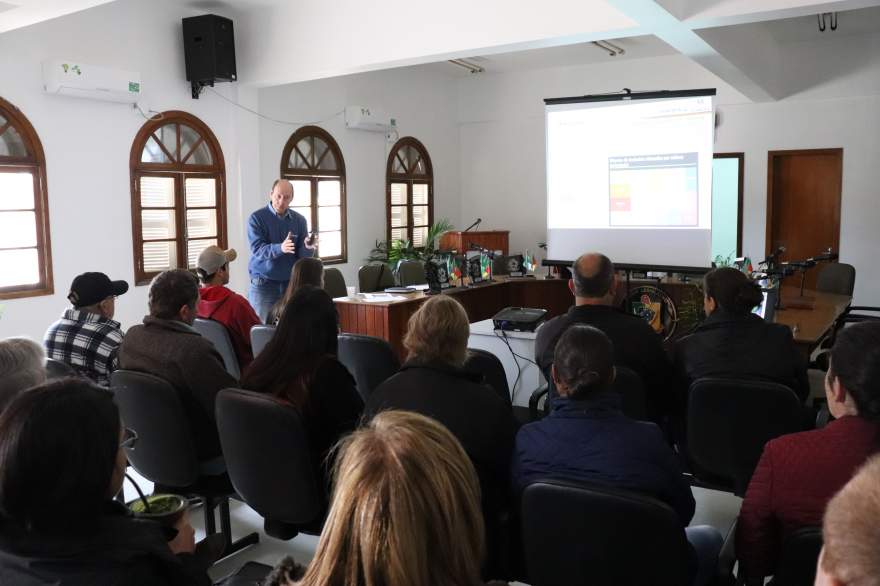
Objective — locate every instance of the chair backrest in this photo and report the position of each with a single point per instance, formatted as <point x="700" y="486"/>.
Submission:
<point x="260" y="336"/>
<point x="267" y="456"/>
<point x="490" y="367"/>
<point x="334" y="283"/>
<point x="729" y="421"/>
<point x="165" y="452"/>
<point x="837" y="277"/>
<point x="800" y="553"/>
<point x="411" y="272"/>
<point x="634" y="401"/>
<point x="578" y="533"/>
<point x="219" y="336"/>
<point x="369" y="360"/>
<point x="58" y="369"/>
<point x="376" y="277"/>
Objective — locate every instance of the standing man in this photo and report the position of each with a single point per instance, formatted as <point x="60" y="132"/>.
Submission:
<point x="278" y="237"/>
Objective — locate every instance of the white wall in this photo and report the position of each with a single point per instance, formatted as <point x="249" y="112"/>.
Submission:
<point x="87" y="144"/>
<point x="424" y="105"/>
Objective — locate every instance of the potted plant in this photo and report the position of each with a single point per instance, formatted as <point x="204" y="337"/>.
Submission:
<point x="394" y="251"/>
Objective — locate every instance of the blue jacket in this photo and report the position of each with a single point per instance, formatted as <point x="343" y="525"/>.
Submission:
<point x="266" y="232"/>
<point x="592" y="440"/>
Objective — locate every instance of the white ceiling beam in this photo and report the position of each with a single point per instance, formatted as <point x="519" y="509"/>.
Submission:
<point x="733" y="12"/>
<point x="652" y="17"/>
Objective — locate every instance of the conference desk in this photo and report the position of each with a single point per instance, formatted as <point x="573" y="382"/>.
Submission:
<point x="387" y="319"/>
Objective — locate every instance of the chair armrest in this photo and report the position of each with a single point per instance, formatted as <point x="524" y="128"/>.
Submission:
<point x="535" y="399"/>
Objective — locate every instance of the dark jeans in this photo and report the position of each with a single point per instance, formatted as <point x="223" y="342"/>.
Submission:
<point x="707" y="542"/>
<point x="263" y="294"/>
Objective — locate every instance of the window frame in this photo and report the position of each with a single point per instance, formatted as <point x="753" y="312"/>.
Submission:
<point x="410" y="179"/>
<point x="180" y="172"/>
<point x="315" y="176"/>
<point x="35" y="163"/>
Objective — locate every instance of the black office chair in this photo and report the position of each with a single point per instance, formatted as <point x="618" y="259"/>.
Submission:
<point x="854" y="314"/>
<point x="800" y="553"/>
<point x="487" y="364"/>
<point x="580" y="533"/>
<point x="334" y="283"/>
<point x="411" y="272"/>
<point x="377" y="277"/>
<point x="165" y="452"/>
<point x="219" y="336"/>
<point x="627" y="382"/>
<point x="728" y="423"/>
<point x="369" y="360"/>
<point x="260" y="336"/>
<point x="58" y="369"/>
<point x="837" y="277"/>
<point x="267" y="454"/>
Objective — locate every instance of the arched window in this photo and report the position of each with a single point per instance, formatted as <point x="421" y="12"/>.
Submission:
<point x="25" y="255"/>
<point x="409" y="192"/>
<point x="178" y="194"/>
<point x="313" y="163"/>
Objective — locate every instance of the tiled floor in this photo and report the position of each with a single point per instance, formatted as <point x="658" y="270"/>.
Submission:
<point x="713" y="508"/>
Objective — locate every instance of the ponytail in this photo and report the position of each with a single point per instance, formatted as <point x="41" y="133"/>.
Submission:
<point x="732" y="290"/>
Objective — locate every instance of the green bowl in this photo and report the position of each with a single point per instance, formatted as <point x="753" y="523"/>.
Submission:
<point x="164" y="508"/>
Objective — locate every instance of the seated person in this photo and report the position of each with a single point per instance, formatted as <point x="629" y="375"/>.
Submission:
<point x="166" y="346"/>
<point x="406" y="510"/>
<point x="434" y="383"/>
<point x="849" y="556"/>
<point x="61" y="463"/>
<point x="637" y="346"/>
<point x="22" y="366"/>
<point x="218" y="302"/>
<point x="86" y="337"/>
<point x="299" y="365"/>
<point x="586" y="437"/>
<point x="734" y="342"/>
<point x="307" y="271"/>
<point x="799" y="473"/>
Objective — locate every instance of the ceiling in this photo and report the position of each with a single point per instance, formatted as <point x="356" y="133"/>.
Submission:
<point x="20" y="13"/>
<point x="806" y="28"/>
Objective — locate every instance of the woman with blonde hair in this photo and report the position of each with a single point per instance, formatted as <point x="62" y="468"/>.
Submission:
<point x="306" y="271"/>
<point x="405" y="510"/>
<point x="434" y="382"/>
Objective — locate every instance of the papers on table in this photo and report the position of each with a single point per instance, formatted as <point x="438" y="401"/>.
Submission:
<point x="380" y="297"/>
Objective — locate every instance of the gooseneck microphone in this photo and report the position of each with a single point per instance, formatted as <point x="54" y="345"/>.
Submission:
<point x="474" y="225"/>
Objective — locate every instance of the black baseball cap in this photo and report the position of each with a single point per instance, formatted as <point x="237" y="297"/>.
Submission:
<point x="90" y="288"/>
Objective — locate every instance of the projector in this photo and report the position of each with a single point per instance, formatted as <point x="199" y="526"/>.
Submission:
<point x="519" y="319"/>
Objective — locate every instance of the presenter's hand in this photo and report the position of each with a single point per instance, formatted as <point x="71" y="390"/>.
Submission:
<point x="312" y="241"/>
<point x="288" y="246"/>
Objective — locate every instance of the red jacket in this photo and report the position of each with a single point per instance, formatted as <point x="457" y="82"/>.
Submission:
<point x="795" y="478"/>
<point x="233" y="311"/>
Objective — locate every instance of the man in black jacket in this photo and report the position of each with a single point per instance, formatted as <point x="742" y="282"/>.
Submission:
<point x="636" y="345"/>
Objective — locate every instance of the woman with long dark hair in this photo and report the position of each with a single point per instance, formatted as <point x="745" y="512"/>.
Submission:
<point x="734" y="342"/>
<point x="62" y="460"/>
<point x="307" y="271"/>
<point x="299" y="366"/>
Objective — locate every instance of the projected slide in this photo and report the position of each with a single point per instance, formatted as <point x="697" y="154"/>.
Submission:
<point x="632" y="179"/>
<point x="653" y="190"/>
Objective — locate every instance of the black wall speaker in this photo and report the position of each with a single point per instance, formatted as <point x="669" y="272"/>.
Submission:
<point x="209" y="50"/>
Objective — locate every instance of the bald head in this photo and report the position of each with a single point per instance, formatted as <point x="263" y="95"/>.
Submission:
<point x="281" y="195"/>
<point x="592" y="276"/>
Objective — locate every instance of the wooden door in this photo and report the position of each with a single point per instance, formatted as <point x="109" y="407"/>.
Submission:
<point x="803" y="205"/>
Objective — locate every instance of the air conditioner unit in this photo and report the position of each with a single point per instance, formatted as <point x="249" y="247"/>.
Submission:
<point x="363" y="118"/>
<point x="78" y="80"/>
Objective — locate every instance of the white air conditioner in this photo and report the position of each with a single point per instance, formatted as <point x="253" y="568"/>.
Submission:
<point x="363" y="118"/>
<point x="78" y="80"/>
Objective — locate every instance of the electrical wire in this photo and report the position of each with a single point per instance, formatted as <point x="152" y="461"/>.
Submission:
<point x="156" y="115"/>
<point x="516" y="357"/>
<point x="269" y="118"/>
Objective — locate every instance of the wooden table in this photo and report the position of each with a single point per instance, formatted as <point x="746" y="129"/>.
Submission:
<point x="388" y="320"/>
<point x="810" y="326"/>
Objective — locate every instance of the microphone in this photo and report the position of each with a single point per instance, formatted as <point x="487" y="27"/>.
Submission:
<point x="827" y="255"/>
<point x="474" y="225"/>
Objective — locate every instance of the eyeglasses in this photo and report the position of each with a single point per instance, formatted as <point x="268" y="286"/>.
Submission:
<point x="129" y="438"/>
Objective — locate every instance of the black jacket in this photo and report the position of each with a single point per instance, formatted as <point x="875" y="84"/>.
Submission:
<point x="117" y="551"/>
<point x="475" y="414"/>
<point x="743" y="347"/>
<point x="636" y="346"/>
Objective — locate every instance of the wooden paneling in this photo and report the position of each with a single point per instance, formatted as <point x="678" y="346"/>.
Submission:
<point x="491" y="239"/>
